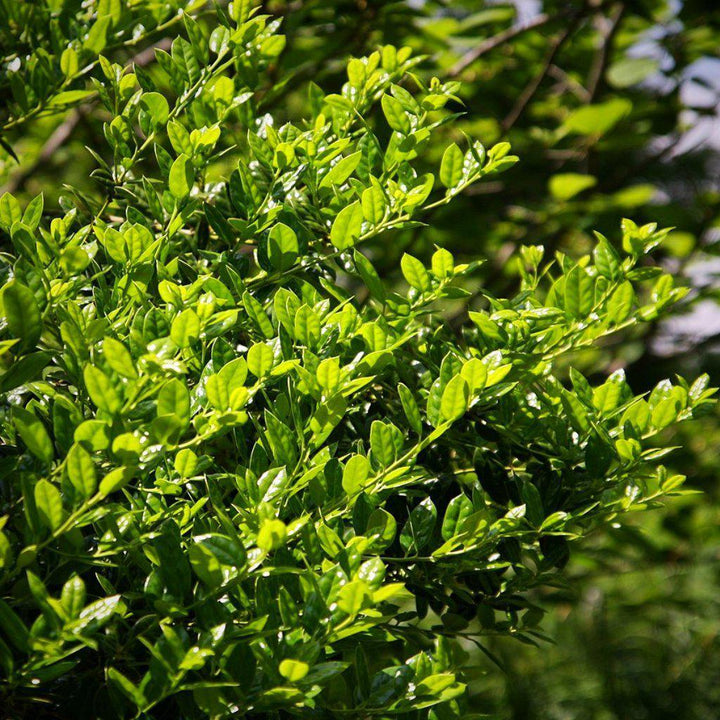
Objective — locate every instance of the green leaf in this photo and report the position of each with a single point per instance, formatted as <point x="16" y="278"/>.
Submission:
<point x="272" y="535"/>
<point x="579" y="292"/>
<point x="566" y="186"/>
<point x="491" y="333"/>
<point x="597" y="119"/>
<point x="49" y="504"/>
<point x="419" y="527"/>
<point x="576" y="411"/>
<point x="665" y="413"/>
<point x="474" y="372"/>
<point x="97" y="37"/>
<point x="179" y="138"/>
<point x="205" y="565"/>
<point x="451" y="167"/>
<point x="369" y="276"/>
<point x="342" y="170"/>
<point x="186" y="462"/>
<point x="97" y="613"/>
<point x="185" y="329"/>
<point x="257" y="314"/>
<point x="442" y="263"/>
<point x="620" y="303"/>
<point x="459" y="509"/>
<point x="24" y="370"/>
<point x="454" y="399"/>
<point x="93" y="433"/>
<point x="307" y="326"/>
<point x="118" y="358"/>
<point x="282" y="247"/>
<point x="355" y="474"/>
<point x="629" y="71"/>
<point x="607" y="397"/>
<point x="415" y="273"/>
<point x="385" y="442"/>
<point x="260" y="360"/>
<point x="81" y="470"/>
<point x="534" y="511"/>
<point x="328" y="374"/>
<point x="607" y="261"/>
<point x="13" y="628"/>
<point x="182" y="177"/>
<point x="327" y="416"/>
<point x="395" y="114"/>
<point x="638" y="416"/>
<point x="33" y="212"/>
<point x="101" y="390"/>
<point x="228" y="551"/>
<point x="234" y="374"/>
<point x="33" y="434"/>
<point x="10" y="211"/>
<point x="442" y="686"/>
<point x="293" y="670"/>
<point x="346" y="228"/>
<point x="174" y="399"/>
<point x="22" y="313"/>
<point x="382" y="527"/>
<point x="410" y="408"/>
<point x="354" y="597"/>
<point x="281" y="440"/>
<point x="374" y="204"/>
<point x="115" y="480"/>
<point x="74" y="260"/>
<point x="73" y="596"/>
<point x="217" y="392"/>
<point x="126" y="687"/>
<point x="157" y="106"/>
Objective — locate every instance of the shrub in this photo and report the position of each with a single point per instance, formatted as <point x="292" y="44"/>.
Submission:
<point x="242" y="474"/>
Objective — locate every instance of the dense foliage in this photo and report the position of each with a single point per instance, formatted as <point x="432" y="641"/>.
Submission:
<point x="243" y="473"/>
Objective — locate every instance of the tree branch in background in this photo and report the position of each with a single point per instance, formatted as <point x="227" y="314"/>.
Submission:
<point x="602" y="57"/>
<point x="491" y="43"/>
<point x="569" y="83"/>
<point x="531" y="88"/>
<point x="57" y="139"/>
<point x="513" y="32"/>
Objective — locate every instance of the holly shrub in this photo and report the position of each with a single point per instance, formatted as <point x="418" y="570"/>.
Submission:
<point x="243" y="475"/>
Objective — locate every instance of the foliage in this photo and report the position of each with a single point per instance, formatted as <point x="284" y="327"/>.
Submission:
<point x="49" y="47"/>
<point x="604" y="101"/>
<point x="245" y="474"/>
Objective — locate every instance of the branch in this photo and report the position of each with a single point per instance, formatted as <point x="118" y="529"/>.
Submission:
<point x="501" y="38"/>
<point x="531" y="88"/>
<point x="59" y="137"/>
<point x="570" y="84"/>
<point x="594" y="6"/>
<point x="601" y="59"/>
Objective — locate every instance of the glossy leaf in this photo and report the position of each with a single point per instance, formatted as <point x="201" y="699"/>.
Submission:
<point x="347" y="226"/>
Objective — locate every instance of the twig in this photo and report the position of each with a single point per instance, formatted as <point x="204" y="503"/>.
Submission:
<point x="592" y="7"/>
<point x="147" y="56"/>
<point x="600" y="61"/>
<point x="491" y="43"/>
<point x="569" y="83"/>
<point x="531" y="88"/>
<point x="59" y="137"/>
